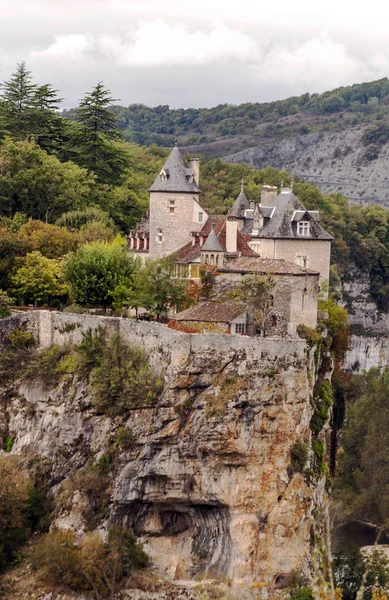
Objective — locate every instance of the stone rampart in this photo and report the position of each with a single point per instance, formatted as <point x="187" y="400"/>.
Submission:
<point x="158" y="340"/>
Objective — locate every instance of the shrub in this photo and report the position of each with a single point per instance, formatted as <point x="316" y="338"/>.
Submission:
<point x="93" y="565"/>
<point x="123" y="438"/>
<point x="322" y="403"/>
<point x="304" y="593"/>
<point x="123" y="380"/>
<point x="14" y="502"/>
<point x="19" y="339"/>
<point x="312" y="336"/>
<point x="8" y="443"/>
<point x="298" y="457"/>
<point x="56" y="558"/>
<point x="90" y="351"/>
<point x="47" y="366"/>
<point x="5" y="303"/>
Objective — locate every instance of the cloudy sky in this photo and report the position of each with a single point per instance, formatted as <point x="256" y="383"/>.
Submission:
<point x="195" y="53"/>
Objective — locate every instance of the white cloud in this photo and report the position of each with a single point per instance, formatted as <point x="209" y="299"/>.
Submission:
<point x="157" y="43"/>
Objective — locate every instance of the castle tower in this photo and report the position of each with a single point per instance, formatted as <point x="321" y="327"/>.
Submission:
<point x="175" y="209"/>
<point x="240" y="206"/>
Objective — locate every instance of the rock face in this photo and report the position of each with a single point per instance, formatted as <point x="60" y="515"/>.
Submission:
<point x="206" y="484"/>
<point x="370" y="340"/>
<point x="334" y="161"/>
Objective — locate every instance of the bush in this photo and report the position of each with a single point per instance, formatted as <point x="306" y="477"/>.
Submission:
<point x="298" y="457"/>
<point x="123" y="380"/>
<point x="123" y="438"/>
<point x="304" y="593"/>
<point x="14" y="504"/>
<point x="322" y="403"/>
<point x="48" y="366"/>
<point x="93" y="565"/>
<point x="5" y="303"/>
<point x="90" y="351"/>
<point x="312" y="336"/>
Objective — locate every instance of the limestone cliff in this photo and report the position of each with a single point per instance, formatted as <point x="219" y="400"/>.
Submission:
<point x="206" y="482"/>
<point x="370" y="327"/>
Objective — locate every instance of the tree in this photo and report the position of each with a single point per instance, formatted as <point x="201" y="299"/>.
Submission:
<point x="30" y="111"/>
<point x="12" y="247"/>
<point x="40" y="185"/>
<point x="14" y="501"/>
<point x="18" y="103"/>
<point x="92" y="138"/>
<point x="52" y="241"/>
<point x="256" y="292"/>
<point x="39" y="280"/>
<point x="5" y="303"/>
<point x="152" y="287"/>
<point x="94" y="270"/>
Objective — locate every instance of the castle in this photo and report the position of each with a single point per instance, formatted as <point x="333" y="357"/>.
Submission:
<point x="276" y="236"/>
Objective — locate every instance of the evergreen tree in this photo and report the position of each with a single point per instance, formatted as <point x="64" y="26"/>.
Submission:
<point x="92" y="140"/>
<point x="28" y="111"/>
<point x="18" y="103"/>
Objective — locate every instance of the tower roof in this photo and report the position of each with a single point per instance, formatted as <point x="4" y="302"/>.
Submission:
<point x="212" y="243"/>
<point x="175" y="176"/>
<point x="240" y="205"/>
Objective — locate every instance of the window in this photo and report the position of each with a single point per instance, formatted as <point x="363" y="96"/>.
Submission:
<point x="201" y="217"/>
<point x="240" y="328"/>
<point x="303" y="228"/>
<point x="172" y="205"/>
<point x="159" y="236"/>
<point x="302" y="261"/>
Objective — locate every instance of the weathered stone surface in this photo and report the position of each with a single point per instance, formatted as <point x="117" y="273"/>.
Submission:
<point x="206" y="486"/>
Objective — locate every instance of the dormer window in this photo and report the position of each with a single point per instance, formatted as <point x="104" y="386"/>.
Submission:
<point x="303" y="229"/>
<point x="163" y="175"/>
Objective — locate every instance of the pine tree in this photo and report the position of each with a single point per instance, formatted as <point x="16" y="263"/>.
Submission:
<point x="28" y="111"/>
<point x="92" y="141"/>
<point x="17" y="106"/>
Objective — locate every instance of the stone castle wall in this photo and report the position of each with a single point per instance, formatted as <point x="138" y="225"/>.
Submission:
<point x="51" y="328"/>
<point x="176" y="226"/>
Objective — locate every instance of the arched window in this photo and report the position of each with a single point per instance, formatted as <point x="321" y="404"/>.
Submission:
<point x="206" y="259"/>
<point x="217" y="259"/>
<point x="212" y="261"/>
<point x="303" y="298"/>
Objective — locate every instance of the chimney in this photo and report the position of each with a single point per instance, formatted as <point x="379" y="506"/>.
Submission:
<point x="268" y="193"/>
<point x="194" y="163"/>
<point x="252" y="204"/>
<point x="231" y="234"/>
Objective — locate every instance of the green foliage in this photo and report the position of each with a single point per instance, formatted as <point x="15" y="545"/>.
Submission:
<point x="363" y="474"/>
<point x="8" y="443"/>
<point x="92" y="137"/>
<point x="302" y="593"/>
<point x="123" y="380"/>
<point x="349" y="570"/>
<point x="298" y="457"/>
<point x="92" y="565"/>
<point x="39" y="280"/>
<point x="322" y="403"/>
<point x="151" y="287"/>
<point x="49" y="365"/>
<point x="95" y="269"/>
<point x="18" y="508"/>
<point x="5" y="303"/>
<point x="40" y="185"/>
<point x="123" y="438"/>
<point x="308" y="333"/>
<point x="338" y="327"/>
<point x="90" y="351"/>
<point x="76" y="219"/>
<point x="20" y="339"/>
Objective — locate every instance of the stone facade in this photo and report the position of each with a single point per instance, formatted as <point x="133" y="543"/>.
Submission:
<point x="173" y="217"/>
<point x="317" y="253"/>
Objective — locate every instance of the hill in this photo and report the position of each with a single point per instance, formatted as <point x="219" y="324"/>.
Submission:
<point x="337" y="139"/>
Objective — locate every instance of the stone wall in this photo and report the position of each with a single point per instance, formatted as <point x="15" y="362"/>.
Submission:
<point x="27" y="321"/>
<point x="176" y="226"/>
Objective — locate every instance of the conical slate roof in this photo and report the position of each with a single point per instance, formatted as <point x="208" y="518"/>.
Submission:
<point x="240" y="205"/>
<point x="212" y="243"/>
<point x="178" y="177"/>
